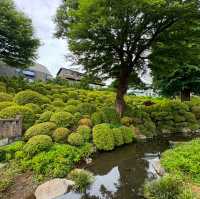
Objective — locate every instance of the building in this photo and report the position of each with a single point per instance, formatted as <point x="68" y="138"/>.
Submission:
<point x="35" y="72"/>
<point x="73" y="77"/>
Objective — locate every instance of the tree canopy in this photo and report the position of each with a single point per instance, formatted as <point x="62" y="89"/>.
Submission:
<point x="17" y="42"/>
<point x="114" y="38"/>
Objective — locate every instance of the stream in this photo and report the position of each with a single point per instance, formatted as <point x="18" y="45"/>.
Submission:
<point x="120" y="174"/>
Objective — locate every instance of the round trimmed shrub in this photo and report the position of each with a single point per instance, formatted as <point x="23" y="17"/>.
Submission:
<point x="34" y="107"/>
<point x="5" y="97"/>
<point x="196" y="111"/>
<point x="70" y="109"/>
<point x="110" y="115"/>
<point x="85" y="122"/>
<point x="75" y="139"/>
<point x="126" y="121"/>
<point x="37" y="144"/>
<point x="60" y="135"/>
<point x="45" y="128"/>
<point x="97" y="118"/>
<point x="62" y="119"/>
<point x="26" y="113"/>
<point x="6" y="104"/>
<point x="29" y="96"/>
<point x="86" y="108"/>
<point x="118" y="136"/>
<point x="58" y="103"/>
<point x="73" y="102"/>
<point x="45" y="117"/>
<point x="85" y="131"/>
<point x="103" y="137"/>
<point x="128" y="134"/>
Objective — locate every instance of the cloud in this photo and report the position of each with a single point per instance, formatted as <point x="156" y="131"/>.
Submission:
<point x="52" y="51"/>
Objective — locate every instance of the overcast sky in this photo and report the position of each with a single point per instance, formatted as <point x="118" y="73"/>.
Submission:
<point x="52" y="51"/>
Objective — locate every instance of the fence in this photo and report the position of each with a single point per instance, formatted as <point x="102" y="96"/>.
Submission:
<point x="10" y="128"/>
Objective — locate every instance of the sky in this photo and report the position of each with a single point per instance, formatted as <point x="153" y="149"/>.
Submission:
<point x="52" y="51"/>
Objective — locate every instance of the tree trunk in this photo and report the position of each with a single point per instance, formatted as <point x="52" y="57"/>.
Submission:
<point x="185" y="95"/>
<point x="121" y="90"/>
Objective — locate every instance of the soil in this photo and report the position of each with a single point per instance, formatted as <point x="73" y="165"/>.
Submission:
<point x="22" y="188"/>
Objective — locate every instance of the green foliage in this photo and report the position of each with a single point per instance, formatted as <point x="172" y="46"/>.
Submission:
<point x="28" y="96"/>
<point x="85" y="122"/>
<point x="70" y="109"/>
<point x="82" y="178"/>
<point x="126" y="121"/>
<point x="118" y="136"/>
<point x="34" y="107"/>
<point x="6" y="104"/>
<point x="12" y="111"/>
<point x="76" y="139"/>
<point x="86" y="108"/>
<point x="60" y="135"/>
<point x="37" y="144"/>
<point x="85" y="132"/>
<point x="168" y="187"/>
<point x="128" y="134"/>
<point x="63" y="119"/>
<point x="4" y="97"/>
<point x="45" y="117"/>
<point x="18" y="46"/>
<point x="58" y="103"/>
<point x="103" y="137"/>
<point x="45" y="128"/>
<point x="110" y="115"/>
<point x="97" y="118"/>
<point x="184" y="160"/>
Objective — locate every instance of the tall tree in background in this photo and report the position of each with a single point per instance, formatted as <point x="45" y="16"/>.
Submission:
<point x="114" y="38"/>
<point x="175" y="61"/>
<point x="17" y="42"/>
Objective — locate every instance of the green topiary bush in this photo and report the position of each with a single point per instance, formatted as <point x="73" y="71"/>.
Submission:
<point x="34" y="107"/>
<point x="128" y="134"/>
<point x="26" y="113"/>
<point x="110" y="115"/>
<point x="103" y="137"/>
<point x="118" y="136"/>
<point x="45" y="128"/>
<point x="75" y="139"/>
<point x="6" y="104"/>
<point x="85" y="122"/>
<point x="63" y="119"/>
<point x="4" y="97"/>
<point x="45" y="117"/>
<point x="82" y="178"/>
<point x="167" y="187"/>
<point x="73" y="102"/>
<point x="60" y="135"/>
<point x="196" y="111"/>
<point x="86" y="108"/>
<point x="70" y="109"/>
<point x="58" y="103"/>
<point x="85" y="132"/>
<point x="28" y="96"/>
<point x="97" y="118"/>
<point x="37" y="144"/>
<point x="126" y="121"/>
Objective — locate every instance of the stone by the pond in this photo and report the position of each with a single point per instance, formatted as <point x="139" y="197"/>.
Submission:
<point x="53" y="188"/>
<point x="158" y="168"/>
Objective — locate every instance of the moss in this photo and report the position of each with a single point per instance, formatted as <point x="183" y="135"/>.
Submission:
<point x="45" y="128"/>
<point x="103" y="137"/>
<point x="63" y="119"/>
<point x="37" y="144"/>
<point x="60" y="135"/>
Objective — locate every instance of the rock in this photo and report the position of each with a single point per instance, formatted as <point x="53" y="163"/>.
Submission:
<point x="158" y="168"/>
<point x="53" y="188"/>
<point x="88" y="160"/>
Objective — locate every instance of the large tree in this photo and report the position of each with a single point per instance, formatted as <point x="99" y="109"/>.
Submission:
<point x="17" y="42"/>
<point x="175" y="61"/>
<point x="114" y="38"/>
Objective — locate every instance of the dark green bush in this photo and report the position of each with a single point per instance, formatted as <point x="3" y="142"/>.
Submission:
<point x="73" y="102"/>
<point x="110" y="115"/>
<point x="45" y="117"/>
<point x="37" y="144"/>
<point x="118" y="136"/>
<point x="86" y="108"/>
<point x="60" y="135"/>
<point x="70" y="109"/>
<point x="12" y="111"/>
<point x="63" y="119"/>
<point x="168" y="187"/>
<point x="76" y="139"/>
<point x="45" y="128"/>
<point x="4" y="97"/>
<point x="34" y="107"/>
<point x="28" y="96"/>
<point x="103" y="137"/>
<point x="126" y="121"/>
<point x="85" y="132"/>
<point x="58" y="103"/>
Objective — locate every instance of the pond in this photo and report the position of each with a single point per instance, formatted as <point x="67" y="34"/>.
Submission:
<point x="121" y="174"/>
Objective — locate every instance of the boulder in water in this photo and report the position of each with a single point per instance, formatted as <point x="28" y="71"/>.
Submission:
<point x="53" y="188"/>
